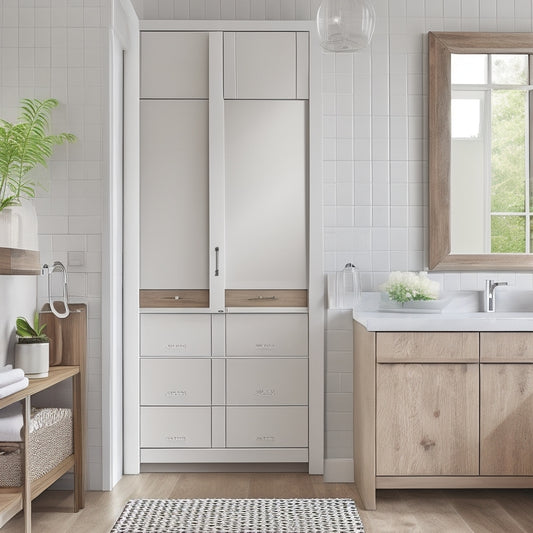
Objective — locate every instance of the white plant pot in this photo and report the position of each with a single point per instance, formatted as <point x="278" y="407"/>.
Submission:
<point x="33" y="359"/>
<point x="18" y="227"/>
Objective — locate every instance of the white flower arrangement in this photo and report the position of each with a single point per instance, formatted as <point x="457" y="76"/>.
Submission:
<point x="407" y="286"/>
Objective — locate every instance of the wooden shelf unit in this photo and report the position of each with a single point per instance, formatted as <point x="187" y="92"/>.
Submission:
<point x="15" y="499"/>
<point x="15" y="261"/>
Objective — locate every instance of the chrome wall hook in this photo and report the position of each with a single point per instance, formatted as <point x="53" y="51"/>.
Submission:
<point x="57" y="266"/>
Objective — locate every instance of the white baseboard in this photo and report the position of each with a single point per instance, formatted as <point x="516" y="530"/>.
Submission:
<point x="338" y="470"/>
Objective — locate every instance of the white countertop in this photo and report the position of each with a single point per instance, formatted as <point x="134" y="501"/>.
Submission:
<point x="459" y="315"/>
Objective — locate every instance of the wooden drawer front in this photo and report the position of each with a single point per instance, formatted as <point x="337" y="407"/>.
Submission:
<point x="176" y="382"/>
<point x="175" y="427"/>
<point x="269" y="381"/>
<point x="266" y="427"/>
<point x="266" y="298"/>
<point x="427" y="420"/>
<point x="431" y="347"/>
<point x="502" y="347"/>
<point x="506" y="420"/>
<point x="174" y="298"/>
<point x="188" y="335"/>
<point x="263" y="335"/>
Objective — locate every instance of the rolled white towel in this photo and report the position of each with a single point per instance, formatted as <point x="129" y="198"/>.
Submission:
<point x="14" y="387"/>
<point x="11" y="376"/>
<point x="5" y="368"/>
<point x="11" y="422"/>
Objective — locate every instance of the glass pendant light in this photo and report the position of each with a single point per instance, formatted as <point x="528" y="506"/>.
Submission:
<point x="345" y="25"/>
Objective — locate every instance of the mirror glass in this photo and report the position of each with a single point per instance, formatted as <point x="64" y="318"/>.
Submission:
<point x="489" y="173"/>
<point x="480" y="151"/>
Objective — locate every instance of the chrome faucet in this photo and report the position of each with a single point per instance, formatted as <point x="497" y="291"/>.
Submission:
<point x="489" y="299"/>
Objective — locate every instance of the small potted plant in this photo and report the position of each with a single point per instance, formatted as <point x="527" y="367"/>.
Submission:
<point x="24" y="145"/>
<point x="32" y="348"/>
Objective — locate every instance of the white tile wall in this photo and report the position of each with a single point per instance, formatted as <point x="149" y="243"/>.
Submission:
<point x="375" y="142"/>
<point x="56" y="48"/>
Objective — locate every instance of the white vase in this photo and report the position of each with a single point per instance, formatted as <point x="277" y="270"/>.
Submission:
<point x="18" y="227"/>
<point x="33" y="358"/>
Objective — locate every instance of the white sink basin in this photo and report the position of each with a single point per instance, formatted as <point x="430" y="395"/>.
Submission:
<point x="464" y="312"/>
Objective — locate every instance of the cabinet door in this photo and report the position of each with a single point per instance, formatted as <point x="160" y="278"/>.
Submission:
<point x="506" y="420"/>
<point x="266" y="176"/>
<point x="174" y="194"/>
<point x="427" y="420"/>
<point x="260" y="65"/>
<point x="174" y="64"/>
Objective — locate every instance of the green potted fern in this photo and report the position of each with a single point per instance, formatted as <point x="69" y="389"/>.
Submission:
<point x="24" y="145"/>
<point x="32" y="351"/>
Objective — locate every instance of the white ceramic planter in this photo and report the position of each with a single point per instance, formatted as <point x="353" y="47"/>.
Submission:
<point x="33" y="359"/>
<point x="18" y="227"/>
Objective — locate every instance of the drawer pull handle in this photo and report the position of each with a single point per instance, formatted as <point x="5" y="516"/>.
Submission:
<point x="177" y="297"/>
<point x="265" y="438"/>
<point x="257" y="298"/>
<point x="176" y="393"/>
<point x="217" y="250"/>
<point x="265" y="392"/>
<point x="172" y="346"/>
<point x="176" y="438"/>
<point x="265" y="346"/>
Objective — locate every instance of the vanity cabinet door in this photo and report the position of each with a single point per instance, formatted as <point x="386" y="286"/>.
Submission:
<point x="265" y="65"/>
<point x="174" y="196"/>
<point x="427" y="420"/>
<point x="174" y="64"/>
<point x="266" y="184"/>
<point x="506" y="420"/>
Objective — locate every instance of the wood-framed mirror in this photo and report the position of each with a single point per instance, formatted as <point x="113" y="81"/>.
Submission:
<point x="472" y="224"/>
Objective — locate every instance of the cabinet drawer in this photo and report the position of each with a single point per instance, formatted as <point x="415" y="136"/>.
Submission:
<point x="266" y="427"/>
<point x="500" y="347"/>
<point x="266" y="381"/>
<point x="266" y="334"/>
<point x="266" y="298"/>
<point x="174" y="298"/>
<point x="175" y="382"/>
<point x="175" y="427"/>
<point x="188" y="335"/>
<point x="428" y="347"/>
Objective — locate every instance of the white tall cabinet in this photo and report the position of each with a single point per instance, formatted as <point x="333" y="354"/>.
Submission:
<point x="229" y="296"/>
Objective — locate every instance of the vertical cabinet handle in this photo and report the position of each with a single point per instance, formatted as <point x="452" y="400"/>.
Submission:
<point x="216" y="260"/>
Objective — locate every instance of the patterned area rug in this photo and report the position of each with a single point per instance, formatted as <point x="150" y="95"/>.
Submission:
<point x="331" y="515"/>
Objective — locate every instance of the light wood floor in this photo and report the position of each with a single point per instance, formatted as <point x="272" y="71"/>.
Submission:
<point x="409" y="511"/>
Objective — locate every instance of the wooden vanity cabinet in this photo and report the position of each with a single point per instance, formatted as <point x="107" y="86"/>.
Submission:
<point x="427" y="419"/>
<point x="506" y="415"/>
<point x="442" y="410"/>
<point x="426" y="404"/>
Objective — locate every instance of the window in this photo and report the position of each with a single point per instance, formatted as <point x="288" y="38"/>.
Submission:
<point x="490" y="108"/>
